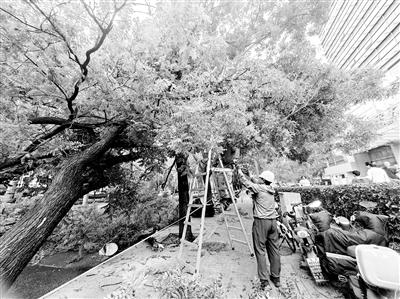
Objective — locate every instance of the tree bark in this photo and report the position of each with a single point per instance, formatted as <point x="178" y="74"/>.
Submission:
<point x="183" y="190"/>
<point x="76" y="177"/>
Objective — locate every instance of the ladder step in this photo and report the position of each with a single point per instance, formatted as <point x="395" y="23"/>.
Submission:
<point x="230" y="214"/>
<point x="239" y="241"/>
<point x="195" y="205"/>
<point x="219" y="169"/>
<point x="235" y="227"/>
<point x="198" y="195"/>
<point x="200" y="174"/>
<point x="197" y="189"/>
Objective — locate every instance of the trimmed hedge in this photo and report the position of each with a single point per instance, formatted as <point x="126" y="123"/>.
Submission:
<point x="343" y="200"/>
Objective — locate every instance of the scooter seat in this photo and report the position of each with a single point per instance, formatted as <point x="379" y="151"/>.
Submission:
<point x="379" y="266"/>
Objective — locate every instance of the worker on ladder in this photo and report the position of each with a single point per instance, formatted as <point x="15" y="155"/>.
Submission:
<point x="265" y="231"/>
<point x="224" y="197"/>
<point x="229" y="158"/>
<point x="204" y="188"/>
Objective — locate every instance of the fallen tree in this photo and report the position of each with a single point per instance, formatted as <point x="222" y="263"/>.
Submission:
<point x="155" y="88"/>
<point x="76" y="176"/>
<point x="81" y="168"/>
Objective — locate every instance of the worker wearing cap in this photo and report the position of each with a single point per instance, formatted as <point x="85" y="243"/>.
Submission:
<point x="265" y="231"/>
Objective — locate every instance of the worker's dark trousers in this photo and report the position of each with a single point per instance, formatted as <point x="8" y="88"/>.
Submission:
<point x="265" y="236"/>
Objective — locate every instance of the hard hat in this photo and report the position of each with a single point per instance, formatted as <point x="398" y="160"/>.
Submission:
<point x="268" y="176"/>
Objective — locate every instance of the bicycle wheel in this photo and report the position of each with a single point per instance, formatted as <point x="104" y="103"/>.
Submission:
<point x="290" y="241"/>
<point x="287" y="236"/>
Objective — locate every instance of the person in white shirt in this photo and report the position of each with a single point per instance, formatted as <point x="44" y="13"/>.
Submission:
<point x="304" y="182"/>
<point x="376" y="174"/>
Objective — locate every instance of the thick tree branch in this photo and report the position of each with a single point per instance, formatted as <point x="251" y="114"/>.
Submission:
<point x="11" y="162"/>
<point x="32" y="147"/>
<point x="18" y="166"/>
<point x="48" y="120"/>
<point x="99" y="148"/>
<point x="77" y="176"/>
<point x="62" y="125"/>
<point x="88" y="54"/>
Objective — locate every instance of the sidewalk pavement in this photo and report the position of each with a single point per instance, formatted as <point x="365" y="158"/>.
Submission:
<point x="141" y="264"/>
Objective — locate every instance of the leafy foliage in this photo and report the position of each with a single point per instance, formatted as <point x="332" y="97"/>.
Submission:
<point x="207" y="74"/>
<point x="175" y="284"/>
<point x="127" y="194"/>
<point x="130" y="212"/>
<point x="255" y="290"/>
<point x="88" y="229"/>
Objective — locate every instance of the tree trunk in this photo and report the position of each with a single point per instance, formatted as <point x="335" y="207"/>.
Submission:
<point x="229" y="155"/>
<point x="183" y="190"/>
<point x="77" y="176"/>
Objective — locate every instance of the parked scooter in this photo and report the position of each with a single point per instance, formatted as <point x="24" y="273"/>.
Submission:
<point x="302" y="225"/>
<point x="378" y="272"/>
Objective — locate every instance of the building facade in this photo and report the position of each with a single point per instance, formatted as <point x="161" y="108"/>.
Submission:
<point x="366" y="34"/>
<point x="362" y="33"/>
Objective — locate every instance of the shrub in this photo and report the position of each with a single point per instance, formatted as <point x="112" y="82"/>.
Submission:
<point x="126" y="196"/>
<point x="133" y="211"/>
<point x="175" y="284"/>
<point x="85" y="228"/>
<point x="343" y="200"/>
<point x="132" y="208"/>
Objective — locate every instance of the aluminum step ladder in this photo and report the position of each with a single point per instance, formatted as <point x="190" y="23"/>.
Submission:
<point x="194" y="188"/>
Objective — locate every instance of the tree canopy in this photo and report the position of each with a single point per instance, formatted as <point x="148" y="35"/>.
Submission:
<point x="197" y="74"/>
